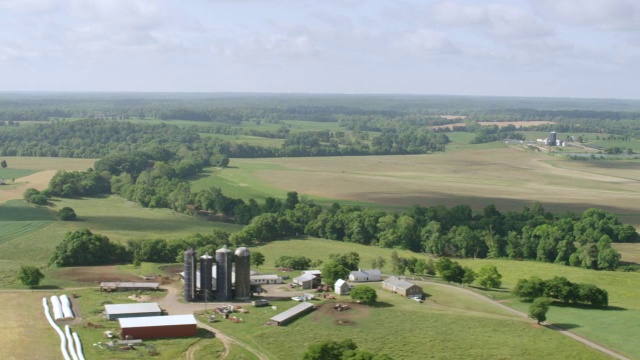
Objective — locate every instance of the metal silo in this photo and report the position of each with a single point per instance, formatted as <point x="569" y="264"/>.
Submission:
<point x="190" y="275"/>
<point x="206" y="277"/>
<point x="224" y="258"/>
<point x="242" y="258"/>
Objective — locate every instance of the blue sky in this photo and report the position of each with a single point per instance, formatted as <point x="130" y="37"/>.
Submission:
<point x="549" y="48"/>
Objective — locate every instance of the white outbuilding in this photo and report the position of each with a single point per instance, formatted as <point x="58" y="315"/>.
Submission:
<point x="365" y="275"/>
<point x="341" y="287"/>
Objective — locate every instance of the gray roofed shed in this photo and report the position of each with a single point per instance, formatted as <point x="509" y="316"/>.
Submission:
<point x="292" y="313"/>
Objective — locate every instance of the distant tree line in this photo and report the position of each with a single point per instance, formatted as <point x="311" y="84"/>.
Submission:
<point x="84" y="248"/>
<point x="531" y="233"/>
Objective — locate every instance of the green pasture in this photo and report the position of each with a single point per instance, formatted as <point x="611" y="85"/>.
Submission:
<point x="300" y="126"/>
<point x="251" y="140"/>
<point x="211" y="349"/>
<point x="8" y="173"/>
<point x="30" y="234"/>
<point x="122" y="220"/>
<point x="602" y="326"/>
<point x="446" y="326"/>
<point x="624" y="145"/>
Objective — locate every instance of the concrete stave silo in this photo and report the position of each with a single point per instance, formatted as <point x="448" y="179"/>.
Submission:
<point x="206" y="278"/>
<point x="242" y="259"/>
<point x="224" y="269"/>
<point x="190" y="268"/>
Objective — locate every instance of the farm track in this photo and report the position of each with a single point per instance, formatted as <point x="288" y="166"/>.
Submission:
<point x="520" y="313"/>
<point x="171" y="304"/>
<point x="227" y="341"/>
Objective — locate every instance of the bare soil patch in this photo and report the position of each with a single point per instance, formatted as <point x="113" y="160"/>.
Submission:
<point x="95" y="274"/>
<point x="345" y="317"/>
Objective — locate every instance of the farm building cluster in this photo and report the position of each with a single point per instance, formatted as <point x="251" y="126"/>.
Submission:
<point x="146" y="321"/>
<point x="231" y="277"/>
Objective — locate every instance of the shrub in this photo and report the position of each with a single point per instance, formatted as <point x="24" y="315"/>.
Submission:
<point x="67" y="214"/>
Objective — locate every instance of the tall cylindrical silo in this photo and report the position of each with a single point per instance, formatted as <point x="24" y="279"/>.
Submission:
<point x="224" y="258"/>
<point x="242" y="258"/>
<point x="206" y="277"/>
<point x="190" y="275"/>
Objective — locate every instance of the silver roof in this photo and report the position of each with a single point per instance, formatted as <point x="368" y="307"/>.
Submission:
<point x="292" y="312"/>
<point x="149" y="321"/>
<point x="114" y="309"/>
<point x="398" y="283"/>
<point x="130" y="284"/>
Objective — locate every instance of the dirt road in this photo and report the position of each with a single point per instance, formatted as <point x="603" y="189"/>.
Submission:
<point x="174" y="306"/>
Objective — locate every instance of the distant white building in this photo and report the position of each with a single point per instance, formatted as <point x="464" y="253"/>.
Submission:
<point x="365" y="275"/>
<point x="341" y="287"/>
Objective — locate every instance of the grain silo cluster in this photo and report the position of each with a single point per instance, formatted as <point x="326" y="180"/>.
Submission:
<point x="221" y="282"/>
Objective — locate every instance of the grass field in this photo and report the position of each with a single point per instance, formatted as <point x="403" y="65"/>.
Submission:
<point x="30" y="235"/>
<point x="25" y="332"/>
<point x="602" y="326"/>
<point x="91" y="306"/>
<point x="446" y="326"/>
<point x="508" y="177"/>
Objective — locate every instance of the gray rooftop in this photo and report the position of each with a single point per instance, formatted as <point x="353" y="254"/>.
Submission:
<point x="113" y="309"/>
<point x="149" y="321"/>
<point x="398" y="282"/>
<point x="285" y="315"/>
<point x="373" y="272"/>
<point x="130" y="284"/>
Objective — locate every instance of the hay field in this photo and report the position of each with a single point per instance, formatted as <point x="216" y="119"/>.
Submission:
<point x="25" y="332"/>
<point x="508" y="177"/>
<point x="40" y="171"/>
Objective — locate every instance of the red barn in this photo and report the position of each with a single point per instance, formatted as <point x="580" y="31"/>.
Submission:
<point x="150" y="327"/>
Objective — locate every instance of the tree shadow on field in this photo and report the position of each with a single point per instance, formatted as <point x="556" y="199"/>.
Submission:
<point x="46" y="287"/>
<point x="125" y="223"/>
<point x="587" y="307"/>
<point x="566" y="326"/>
<point x="382" y="305"/>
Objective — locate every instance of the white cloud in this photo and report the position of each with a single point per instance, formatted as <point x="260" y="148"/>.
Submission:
<point x="496" y="19"/>
<point x="427" y="41"/>
<point x="600" y="14"/>
<point x="30" y="6"/>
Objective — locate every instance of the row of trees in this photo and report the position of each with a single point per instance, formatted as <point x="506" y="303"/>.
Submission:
<point x="561" y="289"/>
<point x="531" y="233"/>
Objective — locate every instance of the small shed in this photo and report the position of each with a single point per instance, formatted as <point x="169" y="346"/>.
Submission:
<point x="291" y="314"/>
<point x="306" y="281"/>
<point x="117" y="311"/>
<point x="365" y="275"/>
<point x="341" y="287"/>
<point x="128" y="286"/>
<point x="402" y="287"/>
<point x="152" y="327"/>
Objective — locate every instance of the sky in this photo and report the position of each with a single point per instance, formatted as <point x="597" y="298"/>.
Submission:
<point x="543" y="48"/>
